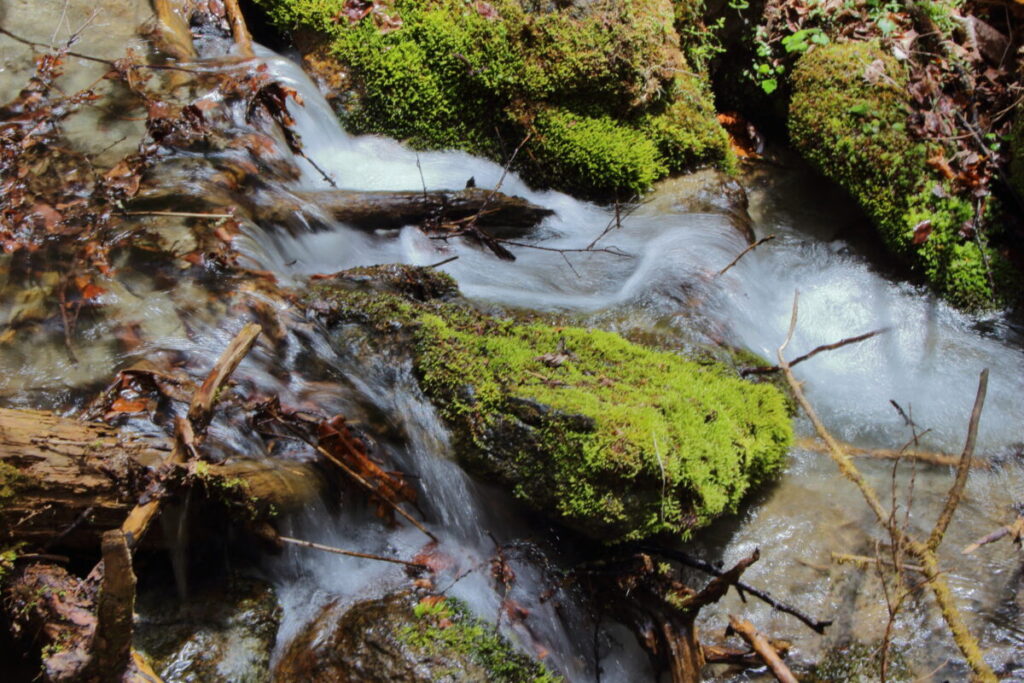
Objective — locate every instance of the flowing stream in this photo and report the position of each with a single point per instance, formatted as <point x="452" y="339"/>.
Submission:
<point x="665" y="287"/>
<point x="928" y="362"/>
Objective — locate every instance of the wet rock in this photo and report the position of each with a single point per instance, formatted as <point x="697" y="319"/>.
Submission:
<point x="402" y="638"/>
<point x="706" y="191"/>
<point x="222" y="634"/>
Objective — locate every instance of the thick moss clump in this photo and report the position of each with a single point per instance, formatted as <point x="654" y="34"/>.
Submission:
<point x="848" y="118"/>
<point x="585" y="82"/>
<point x="617" y="441"/>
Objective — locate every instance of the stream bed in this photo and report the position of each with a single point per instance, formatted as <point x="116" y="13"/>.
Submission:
<point x="663" y="284"/>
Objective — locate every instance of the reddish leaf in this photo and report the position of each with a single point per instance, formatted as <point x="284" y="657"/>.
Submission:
<point x="124" y="405"/>
<point x="336" y="438"/>
<point x="922" y="231"/>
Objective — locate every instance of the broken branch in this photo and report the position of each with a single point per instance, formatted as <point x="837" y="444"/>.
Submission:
<point x="763" y="648"/>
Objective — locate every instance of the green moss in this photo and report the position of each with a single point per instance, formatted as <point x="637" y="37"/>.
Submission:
<point x="854" y="131"/>
<point x="447" y="627"/>
<point x="619" y="441"/>
<point x="686" y="132"/>
<point x="606" y="157"/>
<point x="614" y="439"/>
<point x="481" y="77"/>
<point x="10" y="477"/>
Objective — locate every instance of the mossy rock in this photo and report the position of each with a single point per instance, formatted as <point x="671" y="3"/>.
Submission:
<point x="615" y="440"/>
<point x="585" y="81"/>
<point x="404" y="638"/>
<point x="221" y="634"/>
<point x="848" y="116"/>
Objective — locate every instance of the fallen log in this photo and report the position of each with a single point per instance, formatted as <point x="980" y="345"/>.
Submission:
<point x="64" y="482"/>
<point x="503" y="215"/>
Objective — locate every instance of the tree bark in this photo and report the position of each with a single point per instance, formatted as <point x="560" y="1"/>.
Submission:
<point x="64" y="482"/>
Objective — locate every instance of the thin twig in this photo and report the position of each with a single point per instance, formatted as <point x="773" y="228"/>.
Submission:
<point x="957" y="490"/>
<point x="444" y="262"/>
<point x="743" y="253"/>
<point x="816" y="625"/>
<point x="351" y="553"/>
<point x="179" y="214"/>
<point x="814" y="352"/>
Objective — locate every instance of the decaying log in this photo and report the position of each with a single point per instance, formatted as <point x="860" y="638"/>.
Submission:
<point x="81" y="478"/>
<point x="503" y="215"/>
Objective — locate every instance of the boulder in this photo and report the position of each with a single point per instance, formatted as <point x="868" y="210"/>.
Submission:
<point x="403" y="638"/>
<point x="610" y="438"/>
<point x="601" y="88"/>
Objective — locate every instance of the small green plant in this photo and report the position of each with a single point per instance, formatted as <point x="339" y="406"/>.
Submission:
<point x="801" y="41"/>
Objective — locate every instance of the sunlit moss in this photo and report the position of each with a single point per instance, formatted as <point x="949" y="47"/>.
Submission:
<point x="447" y="629"/>
<point x="620" y="441"/>
<point x="611" y="438"/>
<point x="853" y="128"/>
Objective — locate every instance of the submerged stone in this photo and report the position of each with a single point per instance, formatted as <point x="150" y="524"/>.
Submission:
<point x="612" y="439"/>
<point x="403" y="638"/>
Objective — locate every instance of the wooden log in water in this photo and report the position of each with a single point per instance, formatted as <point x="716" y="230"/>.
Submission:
<point x="64" y="482"/>
<point x="505" y="214"/>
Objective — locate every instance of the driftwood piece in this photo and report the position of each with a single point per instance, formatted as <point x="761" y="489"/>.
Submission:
<point x="503" y="215"/>
<point x="73" y="480"/>
<point x="763" y="648"/>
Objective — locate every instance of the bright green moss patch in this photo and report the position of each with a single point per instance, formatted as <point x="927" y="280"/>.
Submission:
<point x="483" y="76"/>
<point x="618" y="441"/>
<point x="445" y="628"/>
<point x="606" y="157"/>
<point x="848" y="118"/>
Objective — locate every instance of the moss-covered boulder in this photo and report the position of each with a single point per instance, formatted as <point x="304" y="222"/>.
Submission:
<point x="405" y="638"/>
<point x="848" y="116"/>
<point x="601" y="88"/>
<point x="615" y="440"/>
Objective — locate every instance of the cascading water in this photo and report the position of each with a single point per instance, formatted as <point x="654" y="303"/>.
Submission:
<point x="927" y="361"/>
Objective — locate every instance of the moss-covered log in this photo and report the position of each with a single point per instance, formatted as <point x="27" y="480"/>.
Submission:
<point x="65" y="482"/>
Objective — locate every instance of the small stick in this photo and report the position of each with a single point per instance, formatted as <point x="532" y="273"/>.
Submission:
<point x="956" y="491"/>
<point x="350" y="553"/>
<point x="763" y="648"/>
<point x="695" y="563"/>
<point x="441" y="263"/>
<point x="928" y="457"/>
<point x="863" y="560"/>
<point x="179" y="214"/>
<point x="815" y="351"/>
<point x="1016" y="530"/>
<point x="238" y="28"/>
<point x="743" y="253"/>
<point x="201" y="409"/>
